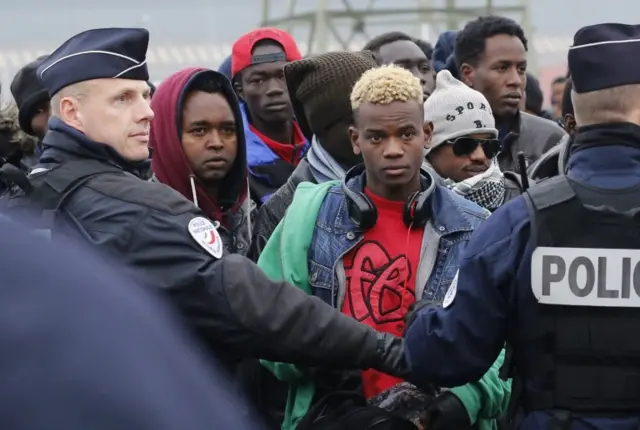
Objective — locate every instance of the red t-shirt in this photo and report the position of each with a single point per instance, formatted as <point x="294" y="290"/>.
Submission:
<point x="380" y="279"/>
<point x="291" y="153"/>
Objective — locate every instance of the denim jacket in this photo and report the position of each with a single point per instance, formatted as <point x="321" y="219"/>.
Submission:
<point x="445" y="235"/>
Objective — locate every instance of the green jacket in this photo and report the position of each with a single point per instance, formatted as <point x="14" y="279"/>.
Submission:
<point x="285" y="258"/>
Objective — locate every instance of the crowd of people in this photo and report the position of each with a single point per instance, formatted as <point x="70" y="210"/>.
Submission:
<point x="395" y="238"/>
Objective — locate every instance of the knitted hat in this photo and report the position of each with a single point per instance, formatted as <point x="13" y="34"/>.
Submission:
<point x="457" y="110"/>
<point x="320" y="86"/>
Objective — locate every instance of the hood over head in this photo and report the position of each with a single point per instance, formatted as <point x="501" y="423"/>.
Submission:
<point x="169" y="162"/>
<point x="444" y="49"/>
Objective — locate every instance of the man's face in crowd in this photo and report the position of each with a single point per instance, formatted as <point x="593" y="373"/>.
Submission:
<point x="500" y="74"/>
<point x="460" y="167"/>
<point x="556" y="98"/>
<point x="209" y="135"/>
<point x="40" y="121"/>
<point x="391" y="139"/>
<point x="115" y="112"/>
<point x="264" y="89"/>
<point x="408" y="55"/>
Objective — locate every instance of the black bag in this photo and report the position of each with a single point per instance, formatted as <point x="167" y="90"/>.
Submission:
<point x="346" y="410"/>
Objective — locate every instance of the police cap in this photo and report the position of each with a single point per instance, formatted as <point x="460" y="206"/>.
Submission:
<point x="605" y="56"/>
<point x="96" y="54"/>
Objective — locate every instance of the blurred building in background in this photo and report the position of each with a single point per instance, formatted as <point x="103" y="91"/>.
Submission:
<point x="200" y="32"/>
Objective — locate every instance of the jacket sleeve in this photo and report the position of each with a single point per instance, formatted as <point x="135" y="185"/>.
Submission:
<point x="489" y="397"/>
<point x="236" y="309"/>
<point x="267" y="218"/>
<point x="458" y="343"/>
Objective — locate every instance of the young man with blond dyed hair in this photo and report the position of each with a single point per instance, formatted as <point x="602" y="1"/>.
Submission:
<point x="377" y="243"/>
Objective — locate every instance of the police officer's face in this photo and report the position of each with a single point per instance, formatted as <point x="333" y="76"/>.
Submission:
<point x="500" y="74"/>
<point x="460" y="167"/>
<point x="264" y="89"/>
<point x="115" y="112"/>
<point x="391" y="139"/>
<point x="408" y="55"/>
<point x="209" y="135"/>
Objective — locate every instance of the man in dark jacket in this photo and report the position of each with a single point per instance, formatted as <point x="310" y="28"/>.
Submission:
<point x="85" y="348"/>
<point x="490" y="53"/>
<point x="319" y="88"/>
<point x="199" y="150"/>
<point x="96" y="145"/>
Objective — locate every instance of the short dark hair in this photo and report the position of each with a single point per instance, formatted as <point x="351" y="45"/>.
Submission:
<point x="470" y="43"/>
<point x="206" y="82"/>
<point x="377" y="42"/>
<point x="426" y="47"/>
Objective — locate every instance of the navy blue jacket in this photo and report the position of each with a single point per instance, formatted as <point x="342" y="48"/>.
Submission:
<point x="455" y="345"/>
<point x="84" y="348"/>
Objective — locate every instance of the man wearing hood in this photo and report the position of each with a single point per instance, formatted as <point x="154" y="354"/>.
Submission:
<point x="275" y="143"/>
<point x="319" y="88"/>
<point x="199" y="149"/>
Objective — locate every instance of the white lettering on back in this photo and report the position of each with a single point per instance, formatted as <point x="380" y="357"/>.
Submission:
<point x="586" y="276"/>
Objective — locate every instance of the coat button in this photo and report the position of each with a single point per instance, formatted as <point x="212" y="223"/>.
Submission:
<point x="351" y="235"/>
<point x="441" y="228"/>
<point x="240" y="245"/>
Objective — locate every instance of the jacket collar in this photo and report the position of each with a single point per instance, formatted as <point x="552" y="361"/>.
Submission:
<point x="63" y="142"/>
<point x="447" y="215"/>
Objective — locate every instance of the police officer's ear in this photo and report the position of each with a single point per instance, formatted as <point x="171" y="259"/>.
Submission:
<point x="428" y="133"/>
<point x="569" y="124"/>
<point x="68" y="102"/>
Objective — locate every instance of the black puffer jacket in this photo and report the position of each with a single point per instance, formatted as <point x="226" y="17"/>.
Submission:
<point x="271" y="212"/>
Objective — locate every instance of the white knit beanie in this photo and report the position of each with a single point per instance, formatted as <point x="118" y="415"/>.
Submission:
<point x="457" y="110"/>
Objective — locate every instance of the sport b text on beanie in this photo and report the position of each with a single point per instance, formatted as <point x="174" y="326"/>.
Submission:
<point x="457" y="110"/>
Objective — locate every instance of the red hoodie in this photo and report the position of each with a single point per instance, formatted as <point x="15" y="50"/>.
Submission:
<point x="169" y="163"/>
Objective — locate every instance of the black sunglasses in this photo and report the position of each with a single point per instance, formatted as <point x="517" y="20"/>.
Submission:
<point x="463" y="146"/>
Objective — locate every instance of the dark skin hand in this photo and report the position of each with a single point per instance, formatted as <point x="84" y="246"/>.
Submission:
<point x="408" y="55"/>
<point x="391" y="139"/>
<point x="209" y="137"/>
<point x="500" y="75"/>
<point x="264" y="90"/>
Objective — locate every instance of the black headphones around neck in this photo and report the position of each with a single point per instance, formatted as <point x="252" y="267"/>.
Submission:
<point x="363" y="212"/>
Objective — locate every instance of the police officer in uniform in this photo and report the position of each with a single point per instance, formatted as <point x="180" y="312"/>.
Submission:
<point x="555" y="273"/>
<point x="87" y="186"/>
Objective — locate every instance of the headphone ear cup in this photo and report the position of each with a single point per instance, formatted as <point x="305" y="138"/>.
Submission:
<point x="362" y="211"/>
<point x="417" y="209"/>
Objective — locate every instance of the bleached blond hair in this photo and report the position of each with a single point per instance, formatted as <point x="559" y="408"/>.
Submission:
<point x="617" y="104"/>
<point x="384" y="85"/>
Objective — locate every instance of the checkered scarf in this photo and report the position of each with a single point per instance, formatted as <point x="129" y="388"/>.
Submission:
<point x="486" y="189"/>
